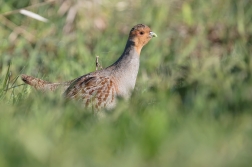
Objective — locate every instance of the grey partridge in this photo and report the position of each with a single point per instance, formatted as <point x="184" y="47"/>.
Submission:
<point x="100" y="89"/>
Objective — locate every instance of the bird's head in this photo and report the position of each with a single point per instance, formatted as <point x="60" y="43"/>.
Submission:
<point x="140" y="35"/>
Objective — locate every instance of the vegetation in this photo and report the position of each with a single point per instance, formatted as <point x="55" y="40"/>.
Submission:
<point x="192" y="105"/>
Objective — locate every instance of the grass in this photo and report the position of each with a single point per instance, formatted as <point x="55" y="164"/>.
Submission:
<point x="192" y="101"/>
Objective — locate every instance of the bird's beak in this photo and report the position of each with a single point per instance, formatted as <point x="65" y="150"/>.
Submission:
<point x="153" y="34"/>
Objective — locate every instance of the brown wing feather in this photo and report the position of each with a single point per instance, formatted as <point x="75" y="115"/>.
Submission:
<point x="93" y="90"/>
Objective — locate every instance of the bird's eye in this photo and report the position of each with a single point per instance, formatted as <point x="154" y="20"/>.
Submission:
<point x="141" y="32"/>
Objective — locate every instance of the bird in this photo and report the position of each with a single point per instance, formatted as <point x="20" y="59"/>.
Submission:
<point x="101" y="88"/>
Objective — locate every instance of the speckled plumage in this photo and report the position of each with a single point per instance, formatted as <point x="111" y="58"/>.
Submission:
<point x="99" y="89"/>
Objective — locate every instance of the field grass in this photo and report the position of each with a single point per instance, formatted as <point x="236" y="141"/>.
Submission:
<point x="192" y="105"/>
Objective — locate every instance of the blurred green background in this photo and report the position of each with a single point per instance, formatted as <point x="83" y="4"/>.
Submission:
<point x="192" y="105"/>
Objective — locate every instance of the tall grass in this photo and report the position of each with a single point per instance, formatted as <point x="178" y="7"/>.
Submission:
<point x="192" y="101"/>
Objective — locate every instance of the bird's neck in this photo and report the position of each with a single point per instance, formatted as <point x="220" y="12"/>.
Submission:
<point x="125" y="69"/>
<point x="130" y="54"/>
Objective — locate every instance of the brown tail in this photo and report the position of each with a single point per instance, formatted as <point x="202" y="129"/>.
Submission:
<point x="41" y="84"/>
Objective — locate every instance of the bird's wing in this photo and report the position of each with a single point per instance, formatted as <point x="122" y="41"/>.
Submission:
<point x="94" y="90"/>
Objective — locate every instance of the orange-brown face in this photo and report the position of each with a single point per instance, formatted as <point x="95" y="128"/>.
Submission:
<point x="140" y="35"/>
